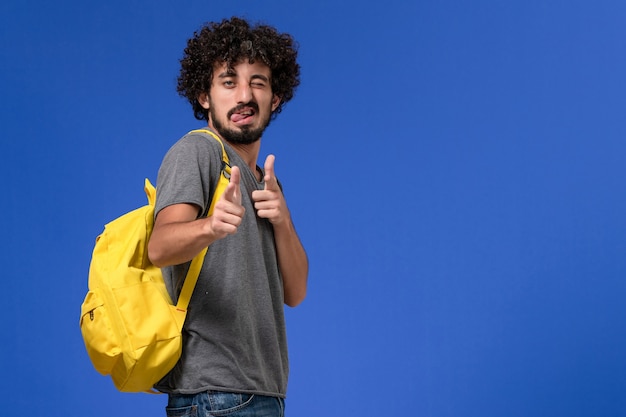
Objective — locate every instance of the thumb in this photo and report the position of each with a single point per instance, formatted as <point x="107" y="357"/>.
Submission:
<point x="271" y="183"/>
<point x="233" y="190"/>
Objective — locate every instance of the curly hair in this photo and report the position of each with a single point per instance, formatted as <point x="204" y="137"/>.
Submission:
<point x="230" y="42"/>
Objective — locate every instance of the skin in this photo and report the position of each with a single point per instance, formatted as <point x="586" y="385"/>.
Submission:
<point x="178" y="235"/>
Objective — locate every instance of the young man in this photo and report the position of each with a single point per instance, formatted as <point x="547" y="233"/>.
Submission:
<point x="234" y="361"/>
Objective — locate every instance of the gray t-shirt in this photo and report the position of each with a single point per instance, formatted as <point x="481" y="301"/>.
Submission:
<point x="234" y="337"/>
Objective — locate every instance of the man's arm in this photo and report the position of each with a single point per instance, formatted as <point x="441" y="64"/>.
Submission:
<point x="292" y="260"/>
<point x="178" y="234"/>
<point x="293" y="263"/>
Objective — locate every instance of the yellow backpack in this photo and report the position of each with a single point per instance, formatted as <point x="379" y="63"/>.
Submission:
<point x="131" y="329"/>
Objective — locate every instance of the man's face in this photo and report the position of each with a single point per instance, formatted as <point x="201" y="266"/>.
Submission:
<point x="241" y="101"/>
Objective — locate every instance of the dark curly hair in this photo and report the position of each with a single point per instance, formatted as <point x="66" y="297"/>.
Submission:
<point x="229" y="42"/>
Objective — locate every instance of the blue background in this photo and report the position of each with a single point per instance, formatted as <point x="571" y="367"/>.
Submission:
<point x="456" y="170"/>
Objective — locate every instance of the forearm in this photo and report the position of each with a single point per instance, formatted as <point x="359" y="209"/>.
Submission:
<point x="292" y="260"/>
<point x="179" y="242"/>
<point x="178" y="234"/>
<point x="293" y="263"/>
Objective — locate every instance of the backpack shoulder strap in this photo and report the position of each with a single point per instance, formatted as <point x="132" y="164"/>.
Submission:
<point x="196" y="263"/>
<point x="225" y="169"/>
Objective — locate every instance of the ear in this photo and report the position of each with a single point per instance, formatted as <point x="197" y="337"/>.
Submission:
<point x="275" y="102"/>
<point x="203" y="100"/>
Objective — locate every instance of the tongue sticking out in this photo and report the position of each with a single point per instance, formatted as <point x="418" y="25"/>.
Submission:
<point x="238" y="117"/>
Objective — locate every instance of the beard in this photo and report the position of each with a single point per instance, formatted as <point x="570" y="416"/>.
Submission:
<point x="246" y="134"/>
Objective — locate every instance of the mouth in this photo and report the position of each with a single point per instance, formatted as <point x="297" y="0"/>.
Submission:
<point x="243" y="116"/>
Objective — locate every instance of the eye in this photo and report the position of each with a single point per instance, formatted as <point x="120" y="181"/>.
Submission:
<point x="228" y="83"/>
<point x="258" y="82"/>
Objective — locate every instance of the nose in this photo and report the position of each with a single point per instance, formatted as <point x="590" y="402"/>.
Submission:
<point x="244" y="93"/>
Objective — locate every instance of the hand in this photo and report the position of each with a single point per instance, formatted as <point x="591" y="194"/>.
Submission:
<point x="228" y="212"/>
<point x="269" y="202"/>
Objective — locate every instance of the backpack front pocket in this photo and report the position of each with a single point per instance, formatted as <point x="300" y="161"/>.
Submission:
<point x="100" y="340"/>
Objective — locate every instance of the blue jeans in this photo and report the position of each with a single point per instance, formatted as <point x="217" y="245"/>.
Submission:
<point x="215" y="403"/>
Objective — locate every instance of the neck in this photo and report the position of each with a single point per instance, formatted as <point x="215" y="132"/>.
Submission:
<point x="248" y="152"/>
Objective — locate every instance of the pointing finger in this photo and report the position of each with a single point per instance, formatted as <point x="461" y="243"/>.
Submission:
<point x="270" y="178"/>
<point x="233" y="190"/>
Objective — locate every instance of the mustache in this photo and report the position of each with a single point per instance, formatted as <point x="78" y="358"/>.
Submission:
<point x="240" y="107"/>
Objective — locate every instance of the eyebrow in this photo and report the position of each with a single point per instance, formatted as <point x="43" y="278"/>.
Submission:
<point x="227" y="73"/>
<point x="261" y="77"/>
